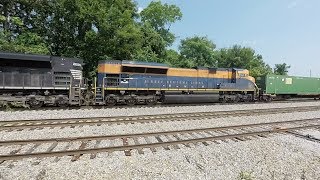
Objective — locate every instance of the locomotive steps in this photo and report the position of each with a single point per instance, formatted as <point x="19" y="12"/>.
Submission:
<point x="42" y="123"/>
<point x="165" y="139"/>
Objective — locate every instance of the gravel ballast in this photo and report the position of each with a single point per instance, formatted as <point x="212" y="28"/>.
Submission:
<point x="279" y="157"/>
<point x="108" y="112"/>
<point x="152" y="127"/>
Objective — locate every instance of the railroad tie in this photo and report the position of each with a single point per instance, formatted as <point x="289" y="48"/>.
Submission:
<point x="174" y="146"/>
<point x="208" y="132"/>
<point x="243" y="138"/>
<point x="82" y="146"/>
<point x="204" y="136"/>
<point x="64" y="149"/>
<point x="222" y="133"/>
<point x="306" y="137"/>
<point x="12" y="153"/>
<point x="7" y="130"/>
<point x="93" y="155"/>
<point x="160" y="140"/>
<point x="33" y="148"/>
<point x="136" y="141"/>
<point x="149" y="142"/>
<point x="179" y="139"/>
<point x="53" y="145"/>
<point x="261" y="135"/>
<point x="127" y="152"/>
<point x="111" y="144"/>
<point x="239" y="138"/>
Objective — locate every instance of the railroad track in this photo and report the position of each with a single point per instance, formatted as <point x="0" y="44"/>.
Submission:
<point x="42" y="123"/>
<point x="167" y="140"/>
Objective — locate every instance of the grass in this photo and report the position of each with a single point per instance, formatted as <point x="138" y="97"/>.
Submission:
<point x="245" y="175"/>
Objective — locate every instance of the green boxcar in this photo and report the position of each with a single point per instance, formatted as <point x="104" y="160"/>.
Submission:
<point x="289" y="85"/>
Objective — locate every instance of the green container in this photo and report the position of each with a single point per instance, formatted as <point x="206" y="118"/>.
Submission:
<point x="289" y="85"/>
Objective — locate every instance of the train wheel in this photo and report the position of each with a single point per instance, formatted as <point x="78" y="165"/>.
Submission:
<point x="88" y="99"/>
<point x="151" y="102"/>
<point x="269" y="99"/>
<point x="62" y="103"/>
<point x="35" y="103"/>
<point x="86" y="102"/>
<point x="236" y="99"/>
<point x="223" y="100"/>
<point x="131" y="102"/>
<point x="111" y="102"/>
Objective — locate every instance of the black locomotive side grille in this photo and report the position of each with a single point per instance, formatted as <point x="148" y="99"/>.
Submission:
<point x="62" y="78"/>
<point x="32" y="79"/>
<point x="62" y="83"/>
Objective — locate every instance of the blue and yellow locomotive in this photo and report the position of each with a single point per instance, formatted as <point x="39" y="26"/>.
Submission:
<point x="132" y="82"/>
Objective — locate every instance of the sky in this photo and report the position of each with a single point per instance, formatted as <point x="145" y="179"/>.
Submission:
<point x="282" y="31"/>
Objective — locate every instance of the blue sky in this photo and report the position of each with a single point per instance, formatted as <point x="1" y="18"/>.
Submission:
<point x="280" y="30"/>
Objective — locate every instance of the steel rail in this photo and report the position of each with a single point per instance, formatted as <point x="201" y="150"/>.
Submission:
<point x="20" y="142"/>
<point x="127" y="147"/>
<point x="24" y="124"/>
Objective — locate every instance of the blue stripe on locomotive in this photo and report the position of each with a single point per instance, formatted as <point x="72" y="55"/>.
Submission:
<point x="175" y="82"/>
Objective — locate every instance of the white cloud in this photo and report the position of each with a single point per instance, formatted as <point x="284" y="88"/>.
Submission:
<point x="140" y="9"/>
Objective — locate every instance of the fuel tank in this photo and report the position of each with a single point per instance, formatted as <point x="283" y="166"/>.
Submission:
<point x="190" y="98"/>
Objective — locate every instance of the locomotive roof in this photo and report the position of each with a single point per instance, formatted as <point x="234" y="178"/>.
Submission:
<point x="160" y="65"/>
<point x="140" y="63"/>
<point x="135" y="63"/>
<point x="32" y="57"/>
<point x="20" y="56"/>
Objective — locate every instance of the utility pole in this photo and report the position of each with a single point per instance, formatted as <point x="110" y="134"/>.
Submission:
<point x="310" y="72"/>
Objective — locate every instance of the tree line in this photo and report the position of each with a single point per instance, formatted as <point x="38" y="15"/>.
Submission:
<point x="114" y="29"/>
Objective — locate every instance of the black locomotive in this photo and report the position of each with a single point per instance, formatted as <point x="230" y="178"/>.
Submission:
<point x="37" y="80"/>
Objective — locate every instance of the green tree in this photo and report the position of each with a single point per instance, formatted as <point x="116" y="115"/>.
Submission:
<point x="161" y="17"/>
<point x="16" y="16"/>
<point x="92" y="30"/>
<point x="15" y="29"/>
<point x="281" y="69"/>
<point x="242" y="57"/>
<point x="172" y="58"/>
<point x="9" y="20"/>
<point x="197" y="51"/>
<point x="107" y="29"/>
<point x="25" y="43"/>
<point x="153" y="46"/>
